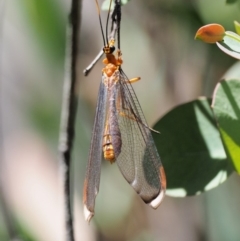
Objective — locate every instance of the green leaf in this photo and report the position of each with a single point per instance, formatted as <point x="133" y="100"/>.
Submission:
<point x="231" y="1"/>
<point x="106" y="3"/>
<point x="230" y="44"/>
<point x="237" y="27"/>
<point x="226" y="107"/>
<point x="191" y="149"/>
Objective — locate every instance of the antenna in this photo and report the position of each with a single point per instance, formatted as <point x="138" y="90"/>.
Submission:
<point x="100" y="21"/>
<point x="108" y="19"/>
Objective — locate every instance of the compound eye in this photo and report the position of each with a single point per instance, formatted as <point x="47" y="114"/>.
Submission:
<point x="112" y="49"/>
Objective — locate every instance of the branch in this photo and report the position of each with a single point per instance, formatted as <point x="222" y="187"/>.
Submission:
<point x="69" y="108"/>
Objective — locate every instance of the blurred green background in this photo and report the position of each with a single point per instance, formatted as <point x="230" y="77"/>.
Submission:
<point x="157" y="41"/>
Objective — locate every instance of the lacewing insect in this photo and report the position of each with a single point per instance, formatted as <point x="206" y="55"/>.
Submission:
<point x="121" y="133"/>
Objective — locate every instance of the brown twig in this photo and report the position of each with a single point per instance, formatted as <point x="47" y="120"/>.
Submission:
<point x="69" y="108"/>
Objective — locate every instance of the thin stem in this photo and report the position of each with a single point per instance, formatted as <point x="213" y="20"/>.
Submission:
<point x="87" y="70"/>
<point x="118" y="16"/>
<point x="69" y="108"/>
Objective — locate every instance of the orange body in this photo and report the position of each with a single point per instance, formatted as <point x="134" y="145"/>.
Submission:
<point x="108" y="151"/>
<point x="112" y="63"/>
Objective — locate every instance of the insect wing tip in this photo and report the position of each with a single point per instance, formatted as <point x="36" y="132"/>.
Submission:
<point x="87" y="214"/>
<point x="155" y="203"/>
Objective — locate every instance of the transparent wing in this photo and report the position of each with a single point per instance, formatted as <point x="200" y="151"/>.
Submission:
<point x="92" y="179"/>
<point x="139" y="160"/>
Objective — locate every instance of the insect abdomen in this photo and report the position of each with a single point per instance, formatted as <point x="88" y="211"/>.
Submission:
<point x="108" y="151"/>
